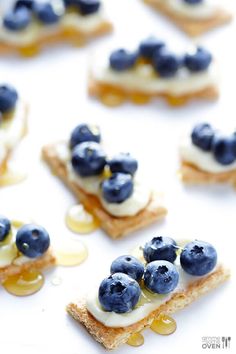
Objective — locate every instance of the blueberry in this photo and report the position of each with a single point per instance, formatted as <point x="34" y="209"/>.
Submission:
<point x="198" y="258"/>
<point x="16" y="20"/>
<point x="149" y="46"/>
<point x="123" y="163"/>
<point x="193" y="2"/>
<point x="128" y="265"/>
<point x="160" y="248"/>
<point x="117" y="188"/>
<point x="202" y="136"/>
<point x="88" y="7"/>
<point x="24" y="3"/>
<point x="5" y="227"/>
<point x="234" y="144"/>
<point x="32" y="240"/>
<point x="48" y="12"/>
<point x="119" y="293"/>
<point x="85" y="132"/>
<point x="198" y="61"/>
<point x="166" y="63"/>
<point x="88" y="159"/>
<point x="223" y="148"/>
<point x="8" y="98"/>
<point x="121" y="59"/>
<point x="161" y="277"/>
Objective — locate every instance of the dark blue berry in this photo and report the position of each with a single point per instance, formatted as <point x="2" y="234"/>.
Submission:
<point x="32" y="240"/>
<point x="160" y="248"/>
<point x="198" y="61"/>
<point x="119" y="293"/>
<point x="48" y="12"/>
<point x="198" y="258"/>
<point x="16" y="20"/>
<point x="88" y="159"/>
<point x="85" y="132"/>
<point x="5" y="226"/>
<point x="128" y="265"/>
<point x="149" y="46"/>
<point x="123" y="163"/>
<point x="202" y="136"/>
<point x="8" y="98"/>
<point x="88" y="7"/>
<point x="223" y="148"/>
<point x="161" y="277"/>
<point x="121" y="60"/>
<point x="193" y="2"/>
<point x="166" y="63"/>
<point x="24" y="3"/>
<point x="117" y="188"/>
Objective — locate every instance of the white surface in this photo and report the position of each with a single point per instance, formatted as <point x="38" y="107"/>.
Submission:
<point x="54" y="85"/>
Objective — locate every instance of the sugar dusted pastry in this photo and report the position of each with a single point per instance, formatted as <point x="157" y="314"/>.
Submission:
<point x="208" y="156"/>
<point x="194" y="17"/>
<point x="31" y="24"/>
<point x="153" y="71"/>
<point x="142" y="293"/>
<point x="13" y="123"/>
<point x="110" y="188"/>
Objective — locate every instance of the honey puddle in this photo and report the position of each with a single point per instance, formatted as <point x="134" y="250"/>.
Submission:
<point x="11" y="176"/>
<point x="71" y="253"/>
<point x="25" y="283"/>
<point x="80" y="220"/>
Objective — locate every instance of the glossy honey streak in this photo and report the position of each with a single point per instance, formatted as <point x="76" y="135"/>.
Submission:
<point x="25" y="283"/>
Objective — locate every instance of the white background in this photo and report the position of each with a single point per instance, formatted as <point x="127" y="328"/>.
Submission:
<point x="54" y="85"/>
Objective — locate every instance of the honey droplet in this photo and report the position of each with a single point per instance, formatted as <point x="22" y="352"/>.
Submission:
<point x="164" y="325"/>
<point x="136" y="340"/>
<point x="80" y="220"/>
<point x="25" y="283"/>
<point x="10" y="177"/>
<point x="112" y="98"/>
<point x="176" y="101"/>
<point x="139" y="98"/>
<point x="29" y="51"/>
<point x="72" y="253"/>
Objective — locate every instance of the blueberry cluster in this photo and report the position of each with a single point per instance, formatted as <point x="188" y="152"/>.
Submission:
<point x="223" y="147"/>
<point x="31" y="240"/>
<point x="88" y="159"/>
<point x="8" y="98"/>
<point x="193" y="2"/>
<point x="165" y="63"/>
<point x="47" y="12"/>
<point x="120" y="292"/>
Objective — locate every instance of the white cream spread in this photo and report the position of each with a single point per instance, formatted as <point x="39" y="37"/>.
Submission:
<point x="112" y="319"/>
<point x="36" y="31"/>
<point x="131" y="206"/>
<point x="203" y="159"/>
<point x="11" y="130"/>
<point x="145" y="79"/>
<point x="202" y="11"/>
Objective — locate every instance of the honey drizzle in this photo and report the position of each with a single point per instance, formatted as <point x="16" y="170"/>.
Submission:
<point x="163" y="325"/>
<point x="25" y="283"/>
